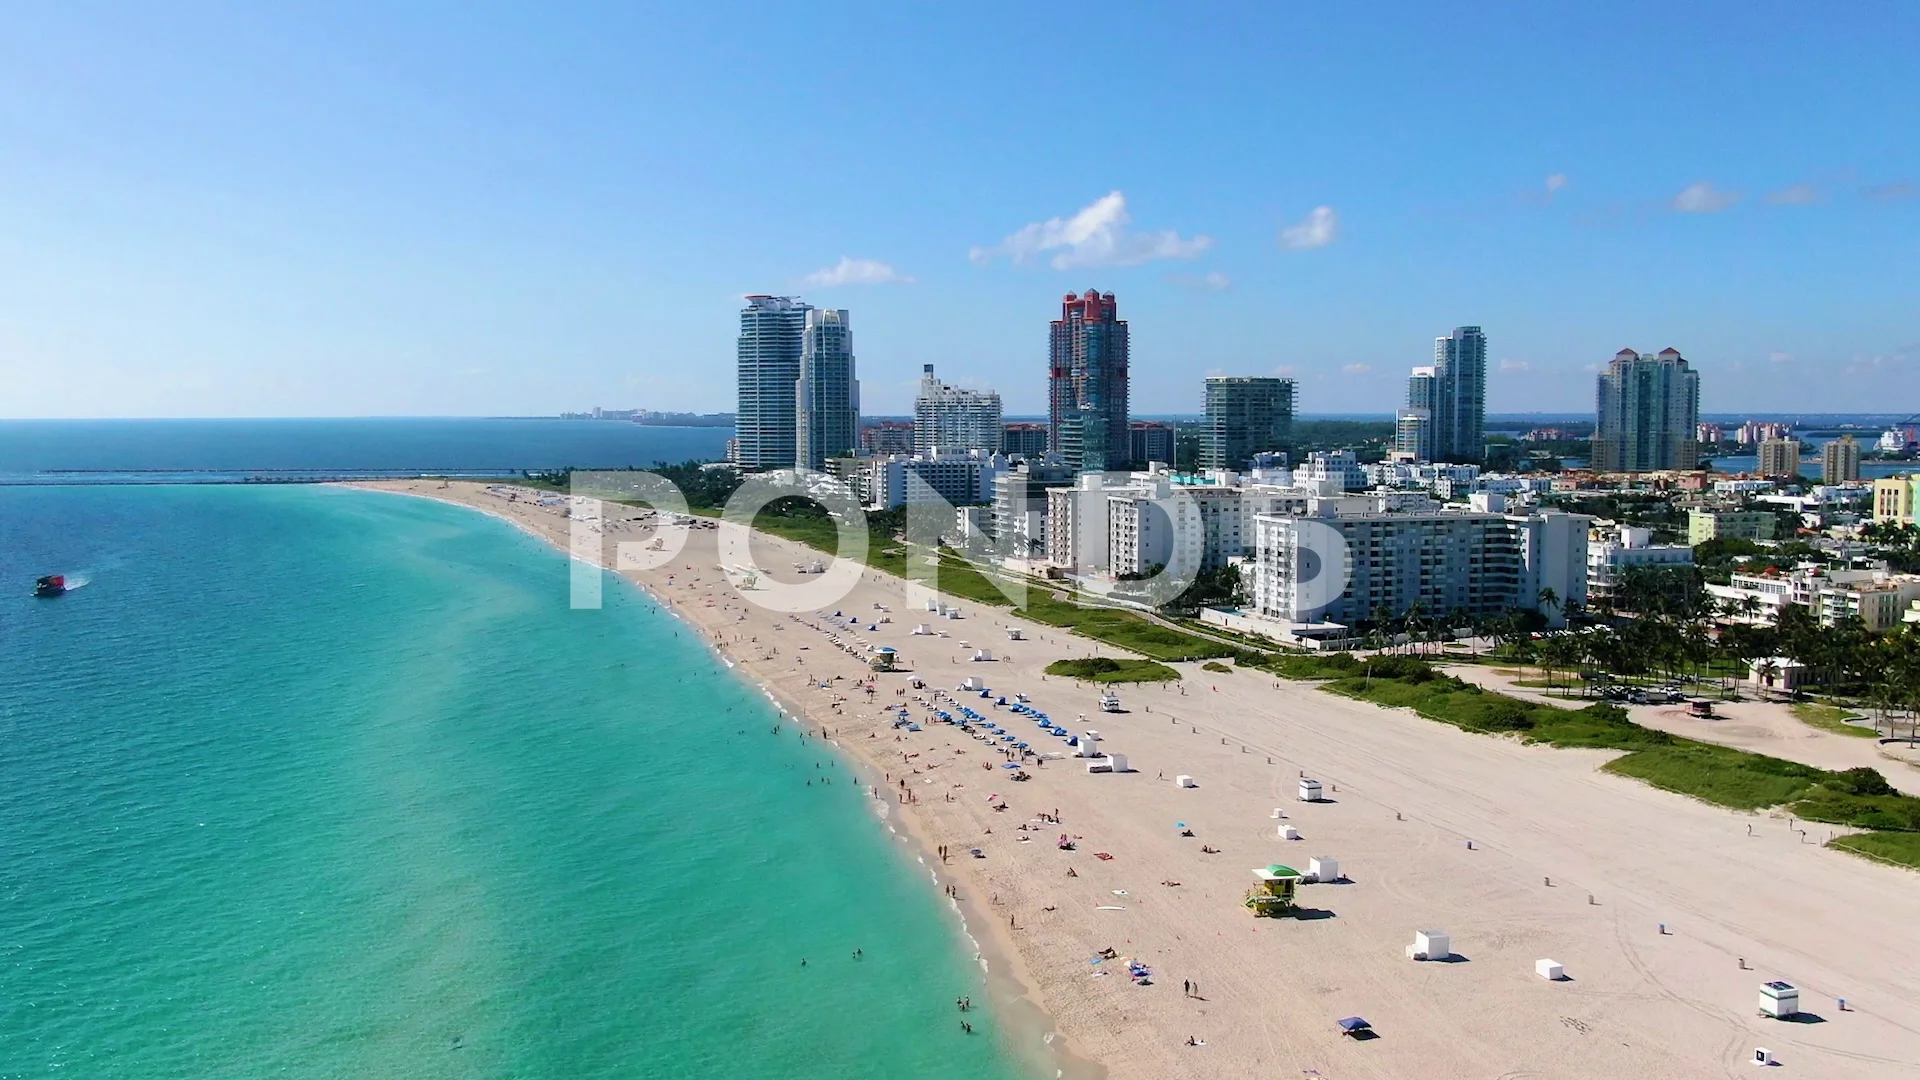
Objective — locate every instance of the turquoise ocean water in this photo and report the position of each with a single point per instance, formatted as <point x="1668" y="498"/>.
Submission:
<point x="187" y="451"/>
<point x="307" y="782"/>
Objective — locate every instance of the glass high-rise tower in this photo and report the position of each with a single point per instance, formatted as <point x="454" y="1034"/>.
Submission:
<point x="1087" y="383"/>
<point x="1648" y="408"/>
<point x="1446" y="414"/>
<point x="1246" y="415"/>
<point x="768" y="369"/>
<point x="826" y="394"/>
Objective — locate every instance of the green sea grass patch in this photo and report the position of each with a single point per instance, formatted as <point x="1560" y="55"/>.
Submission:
<point x="1832" y="718"/>
<point x="1901" y="849"/>
<point x="1104" y="669"/>
<point x="1720" y="775"/>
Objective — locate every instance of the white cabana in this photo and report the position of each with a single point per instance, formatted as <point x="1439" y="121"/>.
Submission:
<point x="1323" y="868"/>
<point x="1185" y="781"/>
<point x="1780" y="1000"/>
<point x="1550" y="970"/>
<point x="1430" y="945"/>
<point x="1309" y="791"/>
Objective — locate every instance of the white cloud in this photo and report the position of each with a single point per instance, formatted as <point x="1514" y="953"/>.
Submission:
<point x="1556" y="182"/>
<point x="1899" y="189"/>
<point x="1316" y="230"/>
<point x="1357" y="369"/>
<point x="1704" y="198"/>
<point x="1780" y="357"/>
<point x="1286" y="371"/>
<point x="1213" y="281"/>
<point x="1794" y="195"/>
<point x="1096" y="236"/>
<point x="1516" y="365"/>
<point x="856" y="272"/>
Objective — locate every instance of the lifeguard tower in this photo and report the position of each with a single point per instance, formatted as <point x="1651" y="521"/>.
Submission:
<point x="884" y="659"/>
<point x="1273" y="897"/>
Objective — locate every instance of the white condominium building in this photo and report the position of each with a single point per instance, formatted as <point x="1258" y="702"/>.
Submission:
<point x="1351" y="560"/>
<point x="954" y="418"/>
<point x="1610" y="556"/>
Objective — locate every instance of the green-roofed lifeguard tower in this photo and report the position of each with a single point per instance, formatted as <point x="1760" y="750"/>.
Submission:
<point x="1273" y="897"/>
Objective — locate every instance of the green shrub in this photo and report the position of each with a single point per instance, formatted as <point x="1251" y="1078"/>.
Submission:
<point x="1506" y="715"/>
<point x="1861" y="781"/>
<point x="1894" y="812"/>
<point x="1084" y="669"/>
<point x="1104" y="669"/>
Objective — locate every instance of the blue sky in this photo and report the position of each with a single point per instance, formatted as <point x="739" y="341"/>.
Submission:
<point x="333" y="209"/>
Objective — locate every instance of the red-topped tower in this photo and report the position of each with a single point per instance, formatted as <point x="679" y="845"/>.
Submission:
<point x="1087" y="383"/>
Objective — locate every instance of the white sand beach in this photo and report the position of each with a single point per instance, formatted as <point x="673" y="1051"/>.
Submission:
<point x="1519" y="853"/>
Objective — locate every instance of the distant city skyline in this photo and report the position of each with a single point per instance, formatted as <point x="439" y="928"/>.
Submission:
<point x="312" y="211"/>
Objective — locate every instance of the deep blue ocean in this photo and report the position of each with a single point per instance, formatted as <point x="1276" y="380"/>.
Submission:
<point x="187" y="451"/>
<point x="316" y="783"/>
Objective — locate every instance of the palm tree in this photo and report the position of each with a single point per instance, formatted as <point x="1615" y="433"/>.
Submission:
<point x="1768" y="671"/>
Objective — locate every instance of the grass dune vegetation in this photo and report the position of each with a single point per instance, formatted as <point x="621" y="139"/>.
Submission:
<point x="1737" y="779"/>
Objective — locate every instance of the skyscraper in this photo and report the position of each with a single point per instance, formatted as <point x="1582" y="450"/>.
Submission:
<point x="953" y="418"/>
<point x="768" y="357"/>
<point x="1840" y="461"/>
<point x="827" y="393"/>
<point x="1460" y="395"/>
<point x="1027" y="440"/>
<point x="1246" y="415"/>
<point x="1151" y="440"/>
<point x="1648" y="410"/>
<point x="1087" y="383"/>
<point x="1413" y="426"/>
<point x="1446" y="414"/>
<point x="1778" y="457"/>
